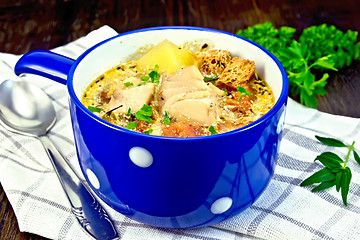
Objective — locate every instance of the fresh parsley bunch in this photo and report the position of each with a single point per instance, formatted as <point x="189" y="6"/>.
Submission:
<point x="302" y="80"/>
<point x="319" y="49"/>
<point x="325" y="40"/>
<point x="336" y="172"/>
<point x="268" y="36"/>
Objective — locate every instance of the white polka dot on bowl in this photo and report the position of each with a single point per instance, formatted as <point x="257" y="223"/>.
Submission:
<point x="281" y="123"/>
<point x="141" y="157"/>
<point x="221" y="205"/>
<point x="94" y="181"/>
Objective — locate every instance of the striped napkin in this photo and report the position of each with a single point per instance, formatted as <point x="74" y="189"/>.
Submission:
<point x="284" y="211"/>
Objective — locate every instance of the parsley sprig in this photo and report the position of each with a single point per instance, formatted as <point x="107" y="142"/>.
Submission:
<point x="336" y="172"/>
<point x="319" y="49"/>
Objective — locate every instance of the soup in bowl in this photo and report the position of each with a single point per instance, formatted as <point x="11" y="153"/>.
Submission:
<point x="178" y="92"/>
<point x="167" y="150"/>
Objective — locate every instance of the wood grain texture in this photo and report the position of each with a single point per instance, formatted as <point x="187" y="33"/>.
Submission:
<point x="26" y="25"/>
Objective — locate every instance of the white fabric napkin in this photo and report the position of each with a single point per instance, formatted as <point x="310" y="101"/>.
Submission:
<point x="284" y="211"/>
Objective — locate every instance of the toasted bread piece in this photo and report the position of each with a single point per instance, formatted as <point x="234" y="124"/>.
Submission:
<point x="213" y="62"/>
<point x="238" y="72"/>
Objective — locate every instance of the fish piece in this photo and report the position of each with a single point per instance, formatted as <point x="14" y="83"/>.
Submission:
<point x="199" y="111"/>
<point x="186" y="97"/>
<point x="133" y="98"/>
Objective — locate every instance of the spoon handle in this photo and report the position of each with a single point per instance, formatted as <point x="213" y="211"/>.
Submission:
<point x="89" y="213"/>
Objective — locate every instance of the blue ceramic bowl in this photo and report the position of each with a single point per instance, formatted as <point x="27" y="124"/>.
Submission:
<point x="162" y="181"/>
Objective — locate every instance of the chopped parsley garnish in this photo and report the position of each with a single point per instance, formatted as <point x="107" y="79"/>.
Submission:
<point x="131" y="125"/>
<point x="128" y="112"/>
<point x="243" y="92"/>
<point x="212" y="78"/>
<point x="212" y="130"/>
<point x="153" y="76"/>
<point x="94" y="109"/>
<point x="148" y="131"/>
<point x="145" y="78"/>
<point x="167" y="118"/>
<point x="128" y="84"/>
<point x="144" y="114"/>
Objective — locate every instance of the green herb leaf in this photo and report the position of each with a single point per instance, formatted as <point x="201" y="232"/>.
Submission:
<point x="345" y="184"/>
<point x="128" y="84"/>
<point x="330" y="156"/>
<point x="144" y="114"/>
<point x="146" y="110"/>
<point x="148" y="131"/>
<point x="145" y="78"/>
<point x="330" y="160"/>
<point x="155" y="75"/>
<point x="94" y="109"/>
<point x="323" y="185"/>
<point x="166" y="118"/>
<point x="323" y="175"/>
<point x="142" y="117"/>
<point x="325" y="62"/>
<point x="330" y="141"/>
<point x="212" y="130"/>
<point x="243" y="92"/>
<point x="356" y="156"/>
<point x="338" y="180"/>
<point x="128" y="112"/>
<point x="131" y="125"/>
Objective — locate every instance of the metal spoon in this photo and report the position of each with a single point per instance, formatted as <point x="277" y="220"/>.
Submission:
<point x="26" y="109"/>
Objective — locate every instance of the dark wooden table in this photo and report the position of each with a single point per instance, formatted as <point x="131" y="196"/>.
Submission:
<point x="28" y="25"/>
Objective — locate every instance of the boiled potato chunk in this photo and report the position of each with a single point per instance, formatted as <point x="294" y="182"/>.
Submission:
<point x="167" y="56"/>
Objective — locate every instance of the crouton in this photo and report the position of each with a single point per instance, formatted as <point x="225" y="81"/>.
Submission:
<point x="213" y="62"/>
<point x="238" y="72"/>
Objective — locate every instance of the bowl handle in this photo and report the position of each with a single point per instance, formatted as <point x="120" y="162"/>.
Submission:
<point x="46" y="64"/>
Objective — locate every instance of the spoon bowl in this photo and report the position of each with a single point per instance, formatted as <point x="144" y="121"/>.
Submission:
<point x="26" y="109"/>
<point x="23" y="113"/>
